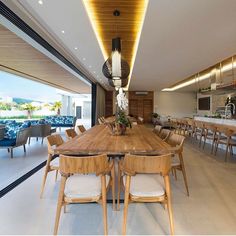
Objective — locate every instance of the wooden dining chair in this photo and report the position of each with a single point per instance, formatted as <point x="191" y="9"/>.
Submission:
<point x="146" y="179"/>
<point x="210" y="133"/>
<point x="52" y="164"/>
<point x="164" y="134"/>
<point x="85" y="179"/>
<point x="225" y="137"/>
<point x="199" y="131"/>
<point x="70" y="133"/>
<point x="176" y="141"/>
<point x="81" y="128"/>
<point x="157" y="129"/>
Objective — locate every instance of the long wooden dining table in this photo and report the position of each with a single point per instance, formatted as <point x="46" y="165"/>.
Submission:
<point x="98" y="139"/>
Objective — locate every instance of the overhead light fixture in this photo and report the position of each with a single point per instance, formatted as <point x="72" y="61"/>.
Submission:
<point x="76" y="48"/>
<point x="115" y="68"/>
<point x="84" y="59"/>
<point x="198" y="78"/>
<point x="97" y="25"/>
<point x="40" y="2"/>
<point x="63" y="31"/>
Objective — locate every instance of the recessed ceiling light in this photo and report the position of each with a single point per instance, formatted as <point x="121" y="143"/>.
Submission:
<point x="94" y="72"/>
<point x="76" y="48"/>
<point x="40" y="2"/>
<point x="90" y="66"/>
<point x="63" y="31"/>
<point x="84" y="59"/>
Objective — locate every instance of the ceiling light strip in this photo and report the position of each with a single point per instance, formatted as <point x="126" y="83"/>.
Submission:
<point x="225" y="68"/>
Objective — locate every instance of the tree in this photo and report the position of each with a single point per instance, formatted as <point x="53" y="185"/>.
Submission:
<point x="57" y="107"/>
<point x="29" y="108"/>
<point x="4" y="106"/>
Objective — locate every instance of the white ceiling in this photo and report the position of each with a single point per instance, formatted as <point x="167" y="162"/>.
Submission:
<point x="179" y="37"/>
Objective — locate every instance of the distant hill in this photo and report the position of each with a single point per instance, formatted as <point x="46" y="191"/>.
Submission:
<point x="22" y="100"/>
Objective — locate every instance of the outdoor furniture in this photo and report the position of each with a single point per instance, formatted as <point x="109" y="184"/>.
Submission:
<point x="2" y="131"/>
<point x="40" y="131"/>
<point x="164" y="134"/>
<point x="61" y="121"/>
<point x="84" y="180"/>
<point x="53" y="160"/>
<point x="20" y="140"/>
<point x="146" y="179"/>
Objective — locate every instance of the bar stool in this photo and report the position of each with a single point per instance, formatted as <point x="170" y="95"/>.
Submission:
<point x="199" y="131"/>
<point x="210" y="133"/>
<point x="225" y="137"/>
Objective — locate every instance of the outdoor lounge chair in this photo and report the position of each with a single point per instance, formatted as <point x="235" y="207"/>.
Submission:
<point x="21" y="140"/>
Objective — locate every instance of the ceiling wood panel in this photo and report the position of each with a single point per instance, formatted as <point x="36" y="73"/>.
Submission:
<point x="21" y="57"/>
<point x="126" y="26"/>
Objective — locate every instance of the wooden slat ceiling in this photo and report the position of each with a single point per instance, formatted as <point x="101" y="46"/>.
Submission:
<point x="18" y="57"/>
<point x="127" y="26"/>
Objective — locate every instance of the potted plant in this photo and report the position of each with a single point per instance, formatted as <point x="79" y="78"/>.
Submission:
<point x="57" y="107"/>
<point x="155" y="118"/>
<point x="123" y="122"/>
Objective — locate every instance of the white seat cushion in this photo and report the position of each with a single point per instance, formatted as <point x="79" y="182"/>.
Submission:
<point x="55" y="162"/>
<point x="84" y="186"/>
<point x="147" y="185"/>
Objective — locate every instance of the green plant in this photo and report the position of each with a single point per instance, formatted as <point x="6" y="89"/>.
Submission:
<point x="29" y="108"/>
<point x="155" y="115"/>
<point x="5" y="106"/>
<point x="57" y="107"/>
<point x="122" y="119"/>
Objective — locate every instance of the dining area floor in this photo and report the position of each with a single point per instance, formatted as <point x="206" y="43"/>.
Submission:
<point x="210" y="208"/>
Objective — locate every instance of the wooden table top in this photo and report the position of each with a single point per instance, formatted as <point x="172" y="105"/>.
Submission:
<point x="98" y="140"/>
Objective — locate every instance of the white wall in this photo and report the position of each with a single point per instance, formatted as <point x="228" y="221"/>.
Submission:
<point x="175" y="104"/>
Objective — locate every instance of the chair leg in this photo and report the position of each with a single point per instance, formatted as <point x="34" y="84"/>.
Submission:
<point x="212" y="146"/>
<point x="104" y="203"/>
<point x="29" y="141"/>
<point x="184" y="172"/>
<point x="59" y="203"/>
<point x="45" y="174"/>
<point x="175" y="173"/>
<point x="11" y="151"/>
<point x="226" y="152"/>
<point x="56" y="175"/>
<point x="126" y="202"/>
<point x="119" y="188"/>
<point x="42" y="140"/>
<point x="216" y="147"/>
<point x="24" y="148"/>
<point x="113" y="187"/>
<point x="169" y="206"/>
<point x="204" y="143"/>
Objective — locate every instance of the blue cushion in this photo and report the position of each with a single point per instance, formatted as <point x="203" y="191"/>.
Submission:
<point x="7" y="142"/>
<point x="26" y="124"/>
<point x="11" y="130"/>
<point x="7" y="121"/>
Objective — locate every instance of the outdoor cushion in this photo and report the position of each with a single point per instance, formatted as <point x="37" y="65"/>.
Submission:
<point x="84" y="186"/>
<point x="147" y="185"/>
<point x="11" y="130"/>
<point x="7" y="121"/>
<point x="26" y="124"/>
<point x="7" y="142"/>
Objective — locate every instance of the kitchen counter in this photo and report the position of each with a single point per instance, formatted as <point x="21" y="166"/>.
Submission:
<point x="220" y="121"/>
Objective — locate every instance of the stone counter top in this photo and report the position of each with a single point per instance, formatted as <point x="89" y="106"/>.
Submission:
<point x="216" y="120"/>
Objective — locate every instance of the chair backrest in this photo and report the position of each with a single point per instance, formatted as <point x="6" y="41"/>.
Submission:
<point x="100" y="122"/>
<point x="83" y="164"/>
<point x="157" y="129"/>
<point x="164" y="134"/>
<point x="176" y="140"/>
<point x="54" y="141"/>
<point x="70" y="133"/>
<point x="22" y="136"/>
<point x="134" y="164"/>
<point x="81" y="128"/>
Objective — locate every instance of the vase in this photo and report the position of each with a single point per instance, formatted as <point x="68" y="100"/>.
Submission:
<point x="122" y="129"/>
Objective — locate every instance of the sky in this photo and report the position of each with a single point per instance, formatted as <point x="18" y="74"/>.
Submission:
<point x="15" y="86"/>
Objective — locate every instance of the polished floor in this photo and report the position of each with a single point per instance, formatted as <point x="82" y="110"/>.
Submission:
<point x="210" y="209"/>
